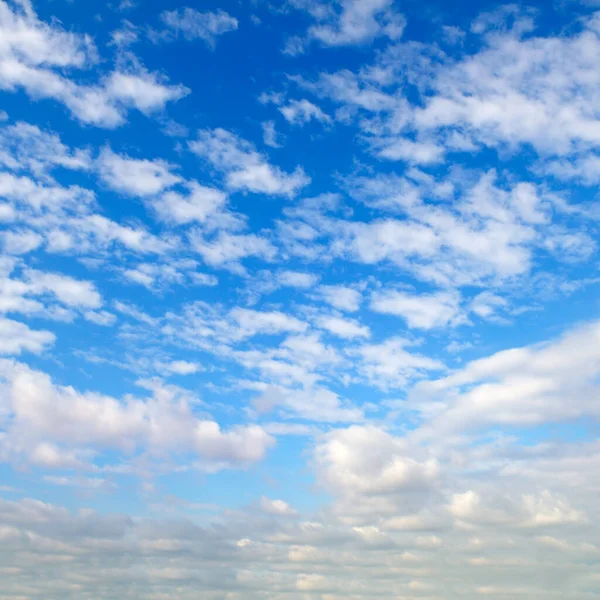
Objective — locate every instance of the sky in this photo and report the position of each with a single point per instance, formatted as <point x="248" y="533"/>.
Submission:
<point x="299" y="300"/>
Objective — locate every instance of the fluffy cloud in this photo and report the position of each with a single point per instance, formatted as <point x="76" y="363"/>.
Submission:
<point x="48" y="418"/>
<point x="33" y="53"/>
<point x="341" y="297"/>
<point x="29" y="148"/>
<point x="135" y="177"/>
<point x="521" y="387"/>
<point x="344" y="328"/>
<point x="192" y="24"/>
<point x="371" y="470"/>
<point x="276" y="507"/>
<point x="423" y="311"/>
<point x="16" y="337"/>
<point x="246" y="169"/>
<point x="417" y="459"/>
<point x="347" y="22"/>
<point x="200" y="205"/>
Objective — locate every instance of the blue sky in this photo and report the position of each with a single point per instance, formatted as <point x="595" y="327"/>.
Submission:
<point x="298" y="300"/>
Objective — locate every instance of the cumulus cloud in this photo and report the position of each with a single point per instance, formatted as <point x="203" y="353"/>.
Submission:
<point x="276" y="507"/>
<point x="422" y="311"/>
<point x="244" y="168"/>
<point x="16" y="337"/>
<point x="417" y="459"/>
<point x="344" y="328"/>
<point x="366" y="468"/>
<point x="135" y="177"/>
<point x="346" y="23"/>
<point x="200" y="205"/>
<point x="192" y="24"/>
<point x="34" y="55"/>
<point x="48" y="419"/>
<point x="520" y="387"/>
<point x="341" y="297"/>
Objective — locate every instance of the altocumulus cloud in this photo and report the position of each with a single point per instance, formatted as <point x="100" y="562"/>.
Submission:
<point x="299" y="302"/>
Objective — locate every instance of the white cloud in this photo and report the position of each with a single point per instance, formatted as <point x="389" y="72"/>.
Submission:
<point x="489" y="232"/>
<point x="46" y="415"/>
<point x="72" y="292"/>
<point x="390" y="364"/>
<point x="525" y="511"/>
<point x="344" y="328"/>
<point x="252" y="322"/>
<point x="20" y="241"/>
<point x="34" y="55"/>
<point x="300" y="112"/>
<point x="27" y="147"/>
<point x="297" y="279"/>
<point x="422" y="311"/>
<point x="270" y="135"/>
<point x="486" y="304"/>
<point x="341" y="297"/>
<point x="200" y="205"/>
<point x="420" y="153"/>
<point x="142" y="90"/>
<point x="312" y="403"/>
<point x="181" y="367"/>
<point x="521" y="387"/>
<point x="246" y="169"/>
<point x="363" y="464"/>
<point x="584" y="169"/>
<point x="276" y="507"/>
<point x="537" y="90"/>
<point x="192" y="24"/>
<point x="100" y="317"/>
<point x="126" y="35"/>
<point x="16" y="337"/>
<point x="227" y="249"/>
<point x="347" y="22"/>
<point x="135" y="177"/>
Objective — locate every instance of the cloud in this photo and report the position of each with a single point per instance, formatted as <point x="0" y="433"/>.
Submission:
<point x="46" y="415"/>
<point x="347" y="22"/>
<point x="297" y="279"/>
<point x="21" y="241"/>
<point x="537" y="78"/>
<point x="135" y="177"/>
<point x="34" y="54"/>
<point x="410" y="469"/>
<point x="192" y="24"/>
<point x="299" y="112"/>
<point x="201" y="205"/>
<point x="341" y="297"/>
<point x="251" y="322"/>
<point x="227" y="249"/>
<point x="390" y="364"/>
<point x="27" y="147"/>
<point x="312" y="403"/>
<point x="72" y="292"/>
<point x="270" y="135"/>
<point x="420" y="153"/>
<point x="344" y="328"/>
<point x="16" y="337"/>
<point x="362" y="465"/>
<point x="526" y="511"/>
<point x="276" y="507"/>
<point x="422" y="311"/>
<point x="182" y="367"/>
<point x="245" y="169"/>
<point x="521" y="387"/>
<point x="491" y="231"/>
